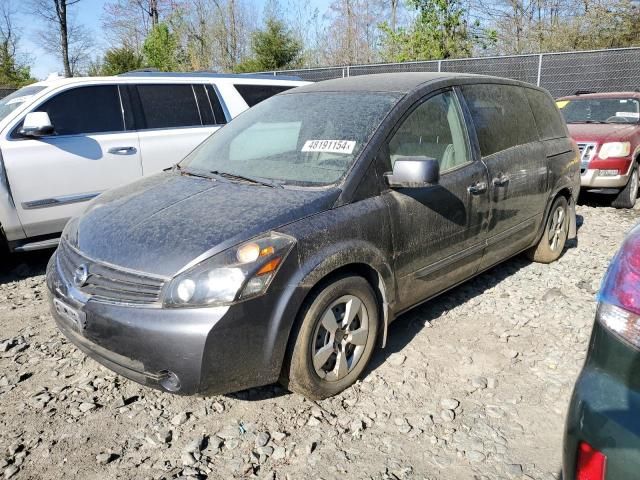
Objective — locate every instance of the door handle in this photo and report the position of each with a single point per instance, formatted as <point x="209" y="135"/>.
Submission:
<point x="501" y="180"/>
<point x="477" y="188"/>
<point x="122" y="150"/>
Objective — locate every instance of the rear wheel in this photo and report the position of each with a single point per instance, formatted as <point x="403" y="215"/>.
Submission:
<point x="334" y="341"/>
<point x="551" y="244"/>
<point x="628" y="195"/>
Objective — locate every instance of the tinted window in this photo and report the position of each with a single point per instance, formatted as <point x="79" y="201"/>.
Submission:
<point x="434" y="130"/>
<point x="550" y="122"/>
<point x="82" y="110"/>
<point x="218" y="112"/>
<point x="169" y="106"/>
<point x="502" y="116"/>
<point x="254" y="94"/>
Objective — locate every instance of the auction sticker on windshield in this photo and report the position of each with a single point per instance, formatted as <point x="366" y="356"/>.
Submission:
<point x="329" y="146"/>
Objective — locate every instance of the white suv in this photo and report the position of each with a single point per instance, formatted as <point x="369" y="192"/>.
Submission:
<point x="64" y="141"/>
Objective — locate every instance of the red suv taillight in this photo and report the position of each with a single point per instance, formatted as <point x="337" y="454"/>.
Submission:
<point x="619" y="297"/>
<point x="591" y="464"/>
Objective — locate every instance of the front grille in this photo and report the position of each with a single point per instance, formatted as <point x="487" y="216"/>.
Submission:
<point x="106" y="282"/>
<point x="587" y="152"/>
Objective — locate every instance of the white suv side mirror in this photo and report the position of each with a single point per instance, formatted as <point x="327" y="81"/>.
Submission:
<point x="36" y="124"/>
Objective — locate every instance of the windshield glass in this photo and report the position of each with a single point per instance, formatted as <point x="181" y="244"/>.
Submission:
<point x="307" y="139"/>
<point x="9" y="103"/>
<point x="600" y="110"/>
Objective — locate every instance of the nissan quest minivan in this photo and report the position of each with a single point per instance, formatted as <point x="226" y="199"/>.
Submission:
<point x="64" y="141"/>
<point x="285" y="244"/>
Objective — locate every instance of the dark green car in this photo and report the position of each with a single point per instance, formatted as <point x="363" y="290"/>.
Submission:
<point x="602" y="436"/>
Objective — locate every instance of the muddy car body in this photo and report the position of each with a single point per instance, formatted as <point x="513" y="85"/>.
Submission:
<point x="203" y="281"/>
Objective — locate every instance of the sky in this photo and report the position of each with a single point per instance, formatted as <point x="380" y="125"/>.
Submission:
<point x="88" y="13"/>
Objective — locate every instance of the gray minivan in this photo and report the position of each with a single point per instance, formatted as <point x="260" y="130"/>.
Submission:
<point x="285" y="244"/>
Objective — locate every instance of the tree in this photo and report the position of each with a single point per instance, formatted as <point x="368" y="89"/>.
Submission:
<point x="117" y="61"/>
<point x="439" y="31"/>
<point x="128" y="22"/>
<point x="13" y="72"/>
<point x="160" y="49"/>
<point x="54" y="13"/>
<point x="274" y="48"/>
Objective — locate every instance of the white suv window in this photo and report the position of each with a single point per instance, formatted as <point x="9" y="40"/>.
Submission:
<point x="169" y="106"/>
<point x="82" y="110"/>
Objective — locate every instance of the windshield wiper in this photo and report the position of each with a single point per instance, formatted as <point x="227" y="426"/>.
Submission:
<point x="587" y="121"/>
<point x="190" y="173"/>
<point x="244" y="178"/>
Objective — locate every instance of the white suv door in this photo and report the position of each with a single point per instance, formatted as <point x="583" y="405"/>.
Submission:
<point x="53" y="177"/>
<point x="175" y="118"/>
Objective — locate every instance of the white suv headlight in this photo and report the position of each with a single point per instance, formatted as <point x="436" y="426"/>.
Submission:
<point x="233" y="275"/>
<point x="614" y="149"/>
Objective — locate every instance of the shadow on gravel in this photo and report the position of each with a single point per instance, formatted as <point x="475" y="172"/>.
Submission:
<point x="407" y="326"/>
<point x="595" y="199"/>
<point x="18" y="266"/>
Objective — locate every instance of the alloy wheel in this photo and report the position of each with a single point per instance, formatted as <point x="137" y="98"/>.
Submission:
<point x="557" y="227"/>
<point x="340" y="338"/>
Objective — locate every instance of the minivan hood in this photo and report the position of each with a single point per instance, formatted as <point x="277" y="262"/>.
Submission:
<point x="161" y="223"/>
<point x="601" y="132"/>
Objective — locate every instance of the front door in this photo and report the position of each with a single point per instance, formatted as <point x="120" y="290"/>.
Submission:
<point x="438" y="231"/>
<point x="52" y="178"/>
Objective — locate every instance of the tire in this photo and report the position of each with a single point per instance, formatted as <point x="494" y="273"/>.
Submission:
<point x="554" y="237"/>
<point x="323" y="334"/>
<point x="628" y="195"/>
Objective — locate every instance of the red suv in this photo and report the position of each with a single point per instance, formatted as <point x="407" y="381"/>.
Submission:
<point x="606" y="127"/>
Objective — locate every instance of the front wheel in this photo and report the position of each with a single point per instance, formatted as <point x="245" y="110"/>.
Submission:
<point x="628" y="195"/>
<point x="335" y="339"/>
<point x="556" y="230"/>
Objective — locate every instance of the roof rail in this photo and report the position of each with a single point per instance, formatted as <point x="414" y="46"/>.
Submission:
<point x="584" y="92"/>
<point x="148" y="72"/>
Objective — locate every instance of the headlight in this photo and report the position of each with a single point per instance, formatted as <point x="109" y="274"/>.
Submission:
<point x="614" y="149"/>
<point x="236" y="274"/>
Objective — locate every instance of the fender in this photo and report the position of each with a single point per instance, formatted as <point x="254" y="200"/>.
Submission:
<point x="564" y="183"/>
<point x="352" y="252"/>
<point x="9" y="222"/>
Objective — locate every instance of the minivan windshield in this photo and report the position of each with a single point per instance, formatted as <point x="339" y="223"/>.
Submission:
<point x="600" y="110"/>
<point x="9" y="103"/>
<point x="305" y="139"/>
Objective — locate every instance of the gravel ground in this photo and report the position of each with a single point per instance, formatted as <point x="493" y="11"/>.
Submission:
<point x="474" y="384"/>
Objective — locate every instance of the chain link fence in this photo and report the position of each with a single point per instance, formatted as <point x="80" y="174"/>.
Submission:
<point x="4" y="91"/>
<point x="560" y="73"/>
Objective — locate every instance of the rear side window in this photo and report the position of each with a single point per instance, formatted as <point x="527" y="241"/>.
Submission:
<point x="82" y="110"/>
<point x="501" y="115"/>
<point x="254" y="94"/>
<point x="169" y="106"/>
<point x="550" y="123"/>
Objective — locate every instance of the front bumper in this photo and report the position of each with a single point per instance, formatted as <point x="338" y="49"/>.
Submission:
<point x="591" y="178"/>
<point x="605" y="408"/>
<point x="210" y="350"/>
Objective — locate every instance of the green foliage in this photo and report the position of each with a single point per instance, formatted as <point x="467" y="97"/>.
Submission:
<point x="439" y="31"/>
<point x="273" y="48"/>
<point x="116" y="61"/>
<point x="161" y="50"/>
<point x="12" y="73"/>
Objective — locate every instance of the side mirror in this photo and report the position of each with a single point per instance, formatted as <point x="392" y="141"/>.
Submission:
<point x="36" y="124"/>
<point x="414" y="172"/>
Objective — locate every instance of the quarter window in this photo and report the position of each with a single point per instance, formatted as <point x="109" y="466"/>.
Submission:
<point x="83" y="110"/>
<point x="169" y="106"/>
<point x="501" y="115"/>
<point x="550" y="122"/>
<point x="435" y="130"/>
<point x="254" y="94"/>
